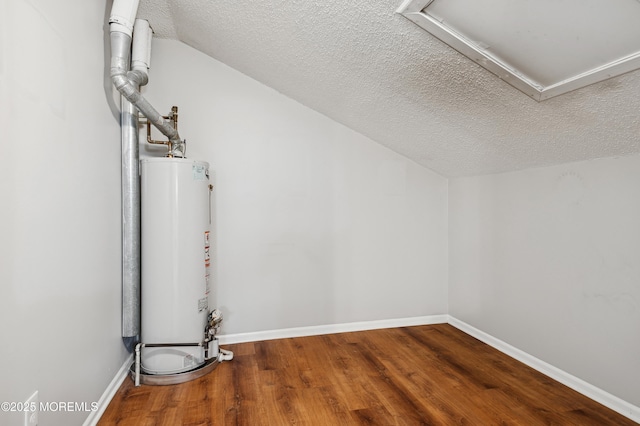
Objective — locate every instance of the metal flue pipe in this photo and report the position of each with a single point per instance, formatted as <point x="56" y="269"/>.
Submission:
<point x="121" y="27"/>
<point x="131" y="255"/>
<point x="121" y="22"/>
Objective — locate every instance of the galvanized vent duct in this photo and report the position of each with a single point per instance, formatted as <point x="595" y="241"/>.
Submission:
<point x="128" y="82"/>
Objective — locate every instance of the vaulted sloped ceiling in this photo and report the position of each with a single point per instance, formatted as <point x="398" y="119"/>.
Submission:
<point x="371" y="69"/>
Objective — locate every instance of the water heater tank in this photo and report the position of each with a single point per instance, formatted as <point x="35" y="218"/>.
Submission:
<point x="176" y="221"/>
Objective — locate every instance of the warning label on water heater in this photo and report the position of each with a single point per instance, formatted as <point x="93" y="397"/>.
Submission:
<point x="207" y="250"/>
<point x="207" y="264"/>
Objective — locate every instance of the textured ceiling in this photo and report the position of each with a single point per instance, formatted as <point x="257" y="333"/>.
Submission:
<point x="374" y="71"/>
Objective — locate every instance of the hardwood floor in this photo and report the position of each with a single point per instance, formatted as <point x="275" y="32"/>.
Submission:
<point x="431" y="375"/>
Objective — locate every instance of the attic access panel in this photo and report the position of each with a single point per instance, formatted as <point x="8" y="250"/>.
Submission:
<point x="542" y="47"/>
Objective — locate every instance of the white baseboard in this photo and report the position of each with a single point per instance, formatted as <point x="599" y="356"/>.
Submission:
<point x="109" y="393"/>
<point x="611" y="401"/>
<point x="316" y="330"/>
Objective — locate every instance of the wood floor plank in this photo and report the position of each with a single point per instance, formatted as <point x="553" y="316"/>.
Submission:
<point x="437" y="390"/>
<point x="425" y="375"/>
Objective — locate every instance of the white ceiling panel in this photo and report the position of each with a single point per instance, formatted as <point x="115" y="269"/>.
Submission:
<point x="544" y="48"/>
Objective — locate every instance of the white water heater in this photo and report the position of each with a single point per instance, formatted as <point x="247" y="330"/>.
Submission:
<point x="176" y="259"/>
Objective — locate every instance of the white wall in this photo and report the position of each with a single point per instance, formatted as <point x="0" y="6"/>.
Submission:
<point x="60" y="214"/>
<point x="315" y="224"/>
<point x="548" y="260"/>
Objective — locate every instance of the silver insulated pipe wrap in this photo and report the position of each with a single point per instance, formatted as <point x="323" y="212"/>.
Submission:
<point x="127" y="81"/>
<point x="131" y="255"/>
<point x="130" y="187"/>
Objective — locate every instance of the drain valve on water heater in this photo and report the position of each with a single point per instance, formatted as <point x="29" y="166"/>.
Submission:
<point x="211" y="341"/>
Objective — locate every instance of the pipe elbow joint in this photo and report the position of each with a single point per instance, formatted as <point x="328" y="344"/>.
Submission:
<point x="119" y="80"/>
<point x="178" y="148"/>
<point x="125" y="87"/>
<point x="138" y="77"/>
